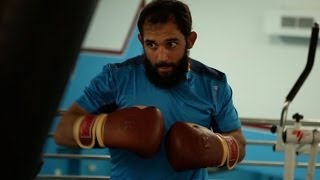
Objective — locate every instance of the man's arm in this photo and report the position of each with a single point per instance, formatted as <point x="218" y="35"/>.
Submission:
<point x="238" y="135"/>
<point x="139" y="129"/>
<point x="63" y="134"/>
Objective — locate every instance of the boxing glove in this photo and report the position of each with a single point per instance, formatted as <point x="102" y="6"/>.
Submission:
<point x="138" y="129"/>
<point x="191" y="146"/>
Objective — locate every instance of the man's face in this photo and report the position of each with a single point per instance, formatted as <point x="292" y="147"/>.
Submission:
<point x="166" y="54"/>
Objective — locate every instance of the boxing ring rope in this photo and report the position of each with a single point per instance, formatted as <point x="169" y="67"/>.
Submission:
<point x="108" y="157"/>
<point x="76" y="156"/>
<point x="263" y="121"/>
<point x="72" y="177"/>
<point x="253" y="121"/>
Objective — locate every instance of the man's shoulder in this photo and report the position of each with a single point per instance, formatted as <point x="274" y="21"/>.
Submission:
<point x="204" y="70"/>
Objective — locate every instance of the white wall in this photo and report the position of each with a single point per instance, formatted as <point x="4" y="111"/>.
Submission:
<point x="261" y="68"/>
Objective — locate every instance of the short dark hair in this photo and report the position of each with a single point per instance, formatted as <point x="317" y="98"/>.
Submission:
<point x="160" y="11"/>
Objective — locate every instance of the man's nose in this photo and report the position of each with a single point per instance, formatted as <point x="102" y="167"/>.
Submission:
<point x="162" y="54"/>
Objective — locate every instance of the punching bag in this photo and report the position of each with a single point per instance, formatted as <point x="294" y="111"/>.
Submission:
<point x="39" y="44"/>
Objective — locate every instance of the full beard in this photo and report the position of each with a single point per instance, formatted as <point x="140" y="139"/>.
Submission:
<point x="167" y="81"/>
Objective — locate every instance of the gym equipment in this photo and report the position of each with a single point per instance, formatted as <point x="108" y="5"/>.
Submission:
<point x="292" y="139"/>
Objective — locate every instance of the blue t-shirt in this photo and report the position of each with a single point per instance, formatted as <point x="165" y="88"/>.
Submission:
<point x="204" y="98"/>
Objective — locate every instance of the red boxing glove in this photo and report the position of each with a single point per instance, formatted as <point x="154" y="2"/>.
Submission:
<point x="191" y="146"/>
<point x="139" y="129"/>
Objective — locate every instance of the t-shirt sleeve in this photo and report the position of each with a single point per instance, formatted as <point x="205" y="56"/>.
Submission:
<point x="226" y="118"/>
<point x="100" y="92"/>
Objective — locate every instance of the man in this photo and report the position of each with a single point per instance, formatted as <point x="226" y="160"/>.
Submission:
<point x="162" y="114"/>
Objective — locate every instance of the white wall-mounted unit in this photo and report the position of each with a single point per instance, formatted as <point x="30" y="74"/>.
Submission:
<point x="290" y="23"/>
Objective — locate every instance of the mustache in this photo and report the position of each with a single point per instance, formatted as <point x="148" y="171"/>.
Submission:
<point x="164" y="64"/>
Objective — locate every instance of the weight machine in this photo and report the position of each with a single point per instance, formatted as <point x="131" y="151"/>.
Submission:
<point x="292" y="139"/>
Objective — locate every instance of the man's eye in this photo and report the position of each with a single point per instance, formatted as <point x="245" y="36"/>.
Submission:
<point x="172" y="44"/>
<point x="151" y="45"/>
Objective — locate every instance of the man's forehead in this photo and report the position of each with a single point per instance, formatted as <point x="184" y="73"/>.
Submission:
<point x="162" y="32"/>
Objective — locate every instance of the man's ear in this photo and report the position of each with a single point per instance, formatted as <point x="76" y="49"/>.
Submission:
<point x="140" y="38"/>
<point x="191" y="39"/>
